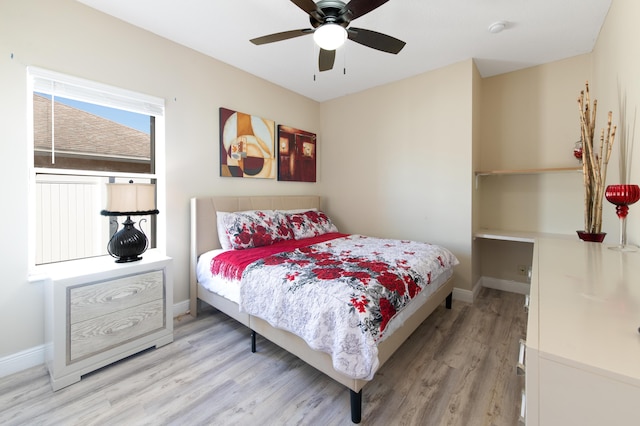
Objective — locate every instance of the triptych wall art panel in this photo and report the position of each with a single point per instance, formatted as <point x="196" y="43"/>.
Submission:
<point x="247" y="149"/>
<point x="296" y="155"/>
<point x="247" y="145"/>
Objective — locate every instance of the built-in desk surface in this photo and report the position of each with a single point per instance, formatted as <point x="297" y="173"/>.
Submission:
<point x="583" y="345"/>
<point x="590" y="310"/>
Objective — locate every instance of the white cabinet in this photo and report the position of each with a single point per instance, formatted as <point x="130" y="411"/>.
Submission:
<point x="99" y="312"/>
<point x="583" y="346"/>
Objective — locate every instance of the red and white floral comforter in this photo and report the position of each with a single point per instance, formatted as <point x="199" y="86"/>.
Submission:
<point x="338" y="295"/>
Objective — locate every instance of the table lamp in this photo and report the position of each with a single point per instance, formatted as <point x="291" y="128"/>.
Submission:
<point x="129" y="199"/>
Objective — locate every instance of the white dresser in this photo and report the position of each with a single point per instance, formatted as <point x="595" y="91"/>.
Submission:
<point x="583" y="345"/>
<point x="99" y="312"/>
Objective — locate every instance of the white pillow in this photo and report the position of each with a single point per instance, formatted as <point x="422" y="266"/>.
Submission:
<point x="256" y="228"/>
<point x="222" y="228"/>
<point x="310" y="223"/>
<point x="222" y="232"/>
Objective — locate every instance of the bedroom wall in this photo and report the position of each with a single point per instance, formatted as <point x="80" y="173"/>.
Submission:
<point x="475" y="159"/>
<point x="398" y="160"/>
<point x="68" y="37"/>
<point x="616" y="59"/>
<point x="529" y="119"/>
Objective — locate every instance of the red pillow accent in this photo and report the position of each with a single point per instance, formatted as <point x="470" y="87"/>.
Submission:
<point x="310" y="224"/>
<point x="256" y="228"/>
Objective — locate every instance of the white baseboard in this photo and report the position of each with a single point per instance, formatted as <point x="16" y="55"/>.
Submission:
<point x="22" y="360"/>
<point x="467" y="296"/>
<point x="33" y="357"/>
<point x="505" y="285"/>
<point x="180" y="308"/>
<point x="463" y="295"/>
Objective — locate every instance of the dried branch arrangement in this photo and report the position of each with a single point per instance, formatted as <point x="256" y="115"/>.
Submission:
<point x="594" y="161"/>
<point x="625" y="137"/>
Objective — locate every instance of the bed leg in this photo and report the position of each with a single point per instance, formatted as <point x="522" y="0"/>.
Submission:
<point x="449" y="300"/>
<point x="253" y="341"/>
<point x="356" y="406"/>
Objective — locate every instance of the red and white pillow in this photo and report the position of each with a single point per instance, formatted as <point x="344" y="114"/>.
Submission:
<point x="254" y="228"/>
<point x="310" y="224"/>
<point x="257" y="228"/>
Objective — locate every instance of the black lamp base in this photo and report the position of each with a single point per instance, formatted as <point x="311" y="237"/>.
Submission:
<point x="128" y="243"/>
<point x="128" y="259"/>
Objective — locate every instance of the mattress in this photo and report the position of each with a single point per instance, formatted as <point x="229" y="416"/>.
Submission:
<point x="230" y="289"/>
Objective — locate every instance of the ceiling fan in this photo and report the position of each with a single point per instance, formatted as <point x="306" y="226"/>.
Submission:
<point x="332" y="17"/>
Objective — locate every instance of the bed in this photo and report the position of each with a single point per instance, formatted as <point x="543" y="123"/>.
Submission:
<point x="205" y="241"/>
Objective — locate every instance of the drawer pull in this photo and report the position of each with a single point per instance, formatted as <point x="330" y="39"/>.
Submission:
<point x="521" y="366"/>
<point x="120" y="327"/>
<point x="523" y="408"/>
<point x="122" y="295"/>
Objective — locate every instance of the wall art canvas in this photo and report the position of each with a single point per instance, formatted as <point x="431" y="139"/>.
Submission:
<point x="296" y="155"/>
<point x="247" y="145"/>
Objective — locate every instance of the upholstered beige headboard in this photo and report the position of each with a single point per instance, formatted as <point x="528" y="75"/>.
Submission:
<point x="204" y="231"/>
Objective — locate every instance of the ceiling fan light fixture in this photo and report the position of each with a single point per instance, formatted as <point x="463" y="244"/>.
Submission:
<point x="330" y="36"/>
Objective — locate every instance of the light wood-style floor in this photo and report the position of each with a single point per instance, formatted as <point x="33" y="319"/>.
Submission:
<point x="458" y="368"/>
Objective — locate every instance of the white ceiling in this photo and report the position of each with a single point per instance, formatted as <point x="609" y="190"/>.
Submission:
<point x="437" y="32"/>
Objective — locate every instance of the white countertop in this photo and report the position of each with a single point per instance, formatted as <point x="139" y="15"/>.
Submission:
<point x="587" y="300"/>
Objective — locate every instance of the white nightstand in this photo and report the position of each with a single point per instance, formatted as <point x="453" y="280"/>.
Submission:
<point x="99" y="312"/>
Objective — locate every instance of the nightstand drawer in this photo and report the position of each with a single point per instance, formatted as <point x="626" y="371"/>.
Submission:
<point x="98" y="299"/>
<point x="98" y="312"/>
<point x="96" y="335"/>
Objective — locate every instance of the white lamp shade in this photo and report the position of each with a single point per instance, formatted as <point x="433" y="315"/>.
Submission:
<point x="131" y="198"/>
<point x="330" y="36"/>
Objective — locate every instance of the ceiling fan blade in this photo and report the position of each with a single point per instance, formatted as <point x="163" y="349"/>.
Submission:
<point x="375" y="40"/>
<point x="310" y="7"/>
<point x="285" y="35"/>
<point x="326" y="59"/>
<point x="362" y="7"/>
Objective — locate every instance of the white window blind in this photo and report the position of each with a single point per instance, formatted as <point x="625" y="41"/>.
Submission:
<point x="57" y="84"/>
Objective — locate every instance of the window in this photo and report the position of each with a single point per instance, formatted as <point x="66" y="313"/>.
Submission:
<point x="85" y="135"/>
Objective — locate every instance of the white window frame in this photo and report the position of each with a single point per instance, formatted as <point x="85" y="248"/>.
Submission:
<point x="51" y="82"/>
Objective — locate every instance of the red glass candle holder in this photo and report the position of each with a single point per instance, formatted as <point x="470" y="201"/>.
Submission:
<point x="622" y="196"/>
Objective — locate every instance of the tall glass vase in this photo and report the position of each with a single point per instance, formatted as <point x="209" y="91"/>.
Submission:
<point x="623" y="196"/>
